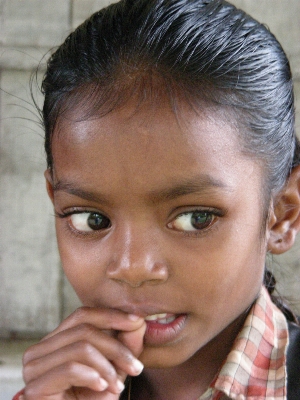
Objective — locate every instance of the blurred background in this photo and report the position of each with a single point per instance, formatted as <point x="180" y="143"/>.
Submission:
<point x="34" y="295"/>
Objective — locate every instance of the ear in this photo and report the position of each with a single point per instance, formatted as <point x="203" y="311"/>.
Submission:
<point x="49" y="184"/>
<point x="284" y="220"/>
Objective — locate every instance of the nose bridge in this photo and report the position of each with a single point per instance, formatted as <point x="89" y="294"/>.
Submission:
<point x="137" y="258"/>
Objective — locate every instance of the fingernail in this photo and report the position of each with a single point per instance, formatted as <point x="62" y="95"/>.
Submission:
<point x="133" y="317"/>
<point x="120" y="385"/>
<point x="137" y="366"/>
<point x="103" y="384"/>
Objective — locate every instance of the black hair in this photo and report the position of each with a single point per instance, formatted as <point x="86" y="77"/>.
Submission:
<point x="202" y="49"/>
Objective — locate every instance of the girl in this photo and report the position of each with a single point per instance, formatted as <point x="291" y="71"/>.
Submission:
<point x="173" y="169"/>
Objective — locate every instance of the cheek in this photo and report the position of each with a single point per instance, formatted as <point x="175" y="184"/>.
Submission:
<point x="224" y="270"/>
<point x="81" y="263"/>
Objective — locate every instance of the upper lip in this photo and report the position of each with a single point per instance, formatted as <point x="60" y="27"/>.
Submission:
<point x="143" y="310"/>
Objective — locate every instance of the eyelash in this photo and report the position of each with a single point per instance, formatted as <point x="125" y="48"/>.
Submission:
<point x="64" y="214"/>
<point x="212" y="212"/>
<point x="75" y="211"/>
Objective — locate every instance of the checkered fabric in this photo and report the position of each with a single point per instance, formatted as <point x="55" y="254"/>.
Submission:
<point x="255" y="367"/>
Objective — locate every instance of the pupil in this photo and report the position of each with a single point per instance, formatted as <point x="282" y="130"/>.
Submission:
<point x="201" y="220"/>
<point x="98" y="221"/>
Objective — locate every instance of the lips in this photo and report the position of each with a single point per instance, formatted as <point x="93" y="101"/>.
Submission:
<point x="164" y="328"/>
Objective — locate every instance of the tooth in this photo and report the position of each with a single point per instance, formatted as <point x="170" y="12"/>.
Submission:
<point x="155" y="317"/>
<point x="165" y="321"/>
<point x="151" y="318"/>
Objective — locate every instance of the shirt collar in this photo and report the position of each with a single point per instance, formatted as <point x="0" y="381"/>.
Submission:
<point x="255" y="368"/>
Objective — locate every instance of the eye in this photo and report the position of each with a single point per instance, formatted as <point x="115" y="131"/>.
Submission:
<point x="192" y="221"/>
<point x="87" y="222"/>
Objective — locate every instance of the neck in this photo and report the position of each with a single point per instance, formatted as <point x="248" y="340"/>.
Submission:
<point x="187" y="381"/>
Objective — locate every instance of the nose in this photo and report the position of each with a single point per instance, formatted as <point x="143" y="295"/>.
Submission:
<point x="137" y="260"/>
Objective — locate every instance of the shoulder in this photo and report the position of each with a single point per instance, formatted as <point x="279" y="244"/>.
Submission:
<point x="293" y="362"/>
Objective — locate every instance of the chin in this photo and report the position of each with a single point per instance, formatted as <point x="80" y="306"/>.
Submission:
<point x="163" y="357"/>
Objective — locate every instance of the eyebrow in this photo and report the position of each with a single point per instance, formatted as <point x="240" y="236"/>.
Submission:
<point x="204" y="184"/>
<point x="72" y="189"/>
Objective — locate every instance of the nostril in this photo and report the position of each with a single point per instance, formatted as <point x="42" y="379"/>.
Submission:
<point x="137" y="275"/>
<point x="131" y="284"/>
<point x="136" y="285"/>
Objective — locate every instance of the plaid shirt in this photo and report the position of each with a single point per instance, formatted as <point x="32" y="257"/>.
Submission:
<point x="255" y="367"/>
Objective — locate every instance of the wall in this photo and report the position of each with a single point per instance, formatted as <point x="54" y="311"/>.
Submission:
<point x="34" y="295"/>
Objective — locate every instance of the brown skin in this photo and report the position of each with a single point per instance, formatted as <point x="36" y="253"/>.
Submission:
<point x="142" y="169"/>
<point x="77" y="354"/>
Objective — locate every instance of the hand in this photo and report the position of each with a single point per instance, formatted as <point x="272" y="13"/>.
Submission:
<point x="87" y="357"/>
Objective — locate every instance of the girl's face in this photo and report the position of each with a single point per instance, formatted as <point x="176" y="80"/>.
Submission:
<point x="160" y="215"/>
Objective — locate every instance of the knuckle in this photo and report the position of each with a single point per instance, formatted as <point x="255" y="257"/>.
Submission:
<point x="110" y="372"/>
<point x="80" y="313"/>
<point x="27" y="356"/>
<point x="71" y="367"/>
<point x="86" y="347"/>
<point x="124" y="354"/>
<point x="26" y="375"/>
<point x="29" y="393"/>
<point x="86" y="329"/>
<point x="28" y="370"/>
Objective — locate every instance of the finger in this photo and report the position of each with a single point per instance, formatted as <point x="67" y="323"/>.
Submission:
<point x="83" y="337"/>
<point x="84" y="344"/>
<point x="104" y="319"/>
<point x="86" y="332"/>
<point x="134" y="340"/>
<point x="57" y="381"/>
<point x="82" y="353"/>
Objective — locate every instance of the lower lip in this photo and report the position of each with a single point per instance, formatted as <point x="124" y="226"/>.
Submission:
<point x="158" y="334"/>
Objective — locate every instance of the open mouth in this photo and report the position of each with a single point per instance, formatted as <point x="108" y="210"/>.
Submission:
<point x="164" y="328"/>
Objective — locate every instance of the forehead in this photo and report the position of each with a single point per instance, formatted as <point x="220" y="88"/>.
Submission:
<point x="150" y="145"/>
<point x="156" y="121"/>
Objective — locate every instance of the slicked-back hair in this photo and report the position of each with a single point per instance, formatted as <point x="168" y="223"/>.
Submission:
<point x="205" y="51"/>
